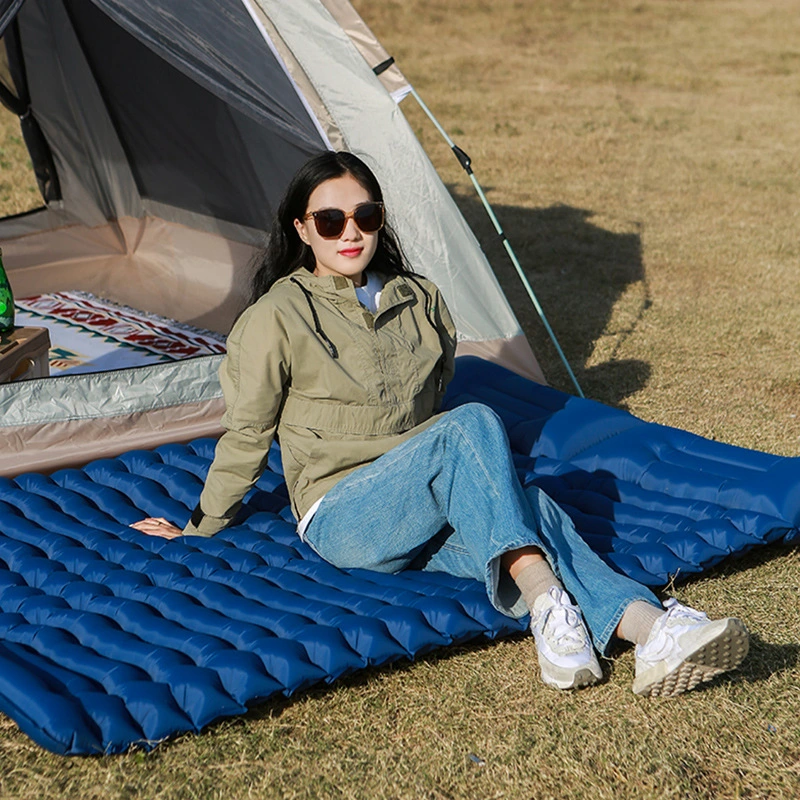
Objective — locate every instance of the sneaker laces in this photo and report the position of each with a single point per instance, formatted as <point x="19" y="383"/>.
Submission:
<point x="662" y="638"/>
<point x="562" y="624"/>
<point x="677" y="612"/>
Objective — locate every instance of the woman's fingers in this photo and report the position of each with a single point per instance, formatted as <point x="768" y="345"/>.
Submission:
<point x="157" y="526"/>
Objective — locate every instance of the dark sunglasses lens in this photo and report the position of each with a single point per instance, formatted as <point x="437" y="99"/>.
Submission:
<point x="369" y="217"/>
<point x="329" y="222"/>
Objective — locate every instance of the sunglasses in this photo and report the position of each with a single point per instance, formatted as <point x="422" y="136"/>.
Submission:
<point x="330" y="222"/>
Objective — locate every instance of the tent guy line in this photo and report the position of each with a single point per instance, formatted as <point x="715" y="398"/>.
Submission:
<point x="466" y="164"/>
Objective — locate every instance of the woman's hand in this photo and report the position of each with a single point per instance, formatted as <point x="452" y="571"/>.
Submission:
<point x="157" y="526"/>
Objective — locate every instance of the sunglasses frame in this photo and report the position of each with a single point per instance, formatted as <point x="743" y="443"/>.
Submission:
<point x="347" y="215"/>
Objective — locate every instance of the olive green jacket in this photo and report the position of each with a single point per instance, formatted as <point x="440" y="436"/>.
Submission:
<point x="337" y="385"/>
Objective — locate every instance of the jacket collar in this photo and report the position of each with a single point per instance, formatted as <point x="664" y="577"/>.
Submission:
<point x="396" y="290"/>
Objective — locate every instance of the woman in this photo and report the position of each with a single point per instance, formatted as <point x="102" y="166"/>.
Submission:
<point x="345" y="355"/>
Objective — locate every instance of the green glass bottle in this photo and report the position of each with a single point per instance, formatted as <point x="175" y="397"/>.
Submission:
<point x="6" y="301"/>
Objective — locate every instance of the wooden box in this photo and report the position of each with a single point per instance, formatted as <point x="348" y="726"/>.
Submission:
<point x="23" y="354"/>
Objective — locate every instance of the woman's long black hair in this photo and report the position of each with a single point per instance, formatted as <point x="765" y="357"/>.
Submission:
<point x="285" y="251"/>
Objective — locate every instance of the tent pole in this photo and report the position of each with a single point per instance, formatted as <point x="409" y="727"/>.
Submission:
<point x="466" y="163"/>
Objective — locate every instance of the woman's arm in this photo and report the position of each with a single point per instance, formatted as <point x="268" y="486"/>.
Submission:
<point x="253" y="376"/>
<point x="240" y="458"/>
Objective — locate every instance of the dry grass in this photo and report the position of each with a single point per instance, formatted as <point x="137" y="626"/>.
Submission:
<point x="643" y="159"/>
<point x="18" y="190"/>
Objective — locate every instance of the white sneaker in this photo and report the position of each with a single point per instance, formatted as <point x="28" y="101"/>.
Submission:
<point x="566" y="655"/>
<point x="686" y="648"/>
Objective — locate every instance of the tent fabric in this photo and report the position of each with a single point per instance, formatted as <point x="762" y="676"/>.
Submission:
<point x="435" y="236"/>
<point x="94" y="175"/>
<point x="217" y="45"/>
<point x="111" y="639"/>
<point x="113" y="394"/>
<point x="102" y="74"/>
<point x="174" y="128"/>
<point x="370" y="48"/>
<point x="171" y="164"/>
<point x="225" y="150"/>
<point x="155" y="266"/>
<point x="231" y="87"/>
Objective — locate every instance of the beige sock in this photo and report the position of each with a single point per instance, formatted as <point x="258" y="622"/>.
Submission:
<point x="535" y="580"/>
<point x="638" y="621"/>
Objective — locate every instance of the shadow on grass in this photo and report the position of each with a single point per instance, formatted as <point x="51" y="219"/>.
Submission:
<point x="578" y="271"/>
<point x="766" y="659"/>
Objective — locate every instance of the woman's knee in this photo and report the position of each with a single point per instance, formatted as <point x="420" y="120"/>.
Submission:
<point x="476" y="421"/>
<point x="476" y="414"/>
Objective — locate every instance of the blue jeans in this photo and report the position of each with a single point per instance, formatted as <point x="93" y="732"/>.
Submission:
<point x="449" y="500"/>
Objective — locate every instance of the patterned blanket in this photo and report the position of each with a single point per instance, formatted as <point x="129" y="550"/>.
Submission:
<point x="89" y="334"/>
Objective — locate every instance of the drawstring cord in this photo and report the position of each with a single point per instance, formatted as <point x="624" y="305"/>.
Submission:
<point x="330" y="345"/>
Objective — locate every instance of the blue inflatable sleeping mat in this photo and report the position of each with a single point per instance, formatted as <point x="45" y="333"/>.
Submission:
<point x="111" y="639"/>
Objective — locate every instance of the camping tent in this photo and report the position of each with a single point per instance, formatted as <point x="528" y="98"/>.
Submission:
<point x="162" y="133"/>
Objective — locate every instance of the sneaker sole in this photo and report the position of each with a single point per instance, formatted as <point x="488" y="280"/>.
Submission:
<point x="724" y="652"/>
<point x="579" y="679"/>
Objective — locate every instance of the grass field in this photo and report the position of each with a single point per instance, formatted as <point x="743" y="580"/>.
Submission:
<point x="644" y="160"/>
